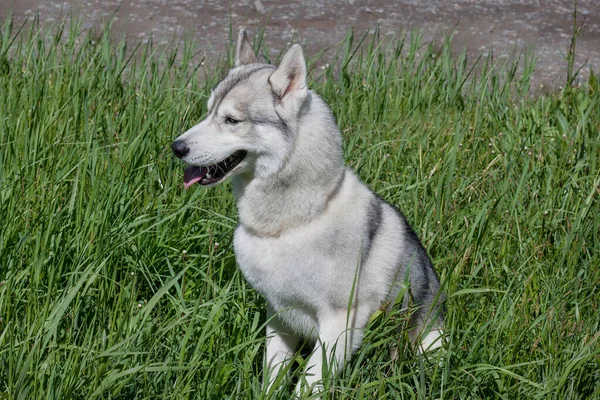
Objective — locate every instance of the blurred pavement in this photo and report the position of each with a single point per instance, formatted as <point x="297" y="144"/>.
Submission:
<point x="505" y="26"/>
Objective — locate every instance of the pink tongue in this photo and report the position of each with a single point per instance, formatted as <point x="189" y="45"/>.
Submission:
<point x="192" y="175"/>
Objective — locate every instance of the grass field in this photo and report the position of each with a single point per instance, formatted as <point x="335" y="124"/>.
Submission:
<point x="118" y="284"/>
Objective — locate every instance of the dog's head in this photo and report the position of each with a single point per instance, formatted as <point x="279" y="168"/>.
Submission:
<point x="251" y="122"/>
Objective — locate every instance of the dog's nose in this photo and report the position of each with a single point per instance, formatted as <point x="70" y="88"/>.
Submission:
<point x="180" y="148"/>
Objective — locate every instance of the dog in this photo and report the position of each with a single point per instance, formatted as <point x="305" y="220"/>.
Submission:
<point x="322" y="248"/>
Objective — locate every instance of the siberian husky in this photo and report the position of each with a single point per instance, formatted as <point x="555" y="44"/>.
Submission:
<point x="311" y="238"/>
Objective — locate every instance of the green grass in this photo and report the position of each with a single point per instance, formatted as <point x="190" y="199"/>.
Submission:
<point x="117" y="283"/>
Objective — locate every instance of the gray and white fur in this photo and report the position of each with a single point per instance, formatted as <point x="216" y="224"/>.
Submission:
<point x="309" y="230"/>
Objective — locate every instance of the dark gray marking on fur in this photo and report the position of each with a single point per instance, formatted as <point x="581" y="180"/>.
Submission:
<point x="424" y="281"/>
<point x="230" y="82"/>
<point x="337" y="187"/>
<point x="277" y="123"/>
<point x="373" y="224"/>
<point x="286" y="127"/>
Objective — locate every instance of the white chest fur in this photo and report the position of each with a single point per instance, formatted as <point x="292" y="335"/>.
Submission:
<point x="301" y="272"/>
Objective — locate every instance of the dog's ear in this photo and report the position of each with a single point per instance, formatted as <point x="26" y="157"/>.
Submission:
<point x="290" y="76"/>
<point x="244" y="53"/>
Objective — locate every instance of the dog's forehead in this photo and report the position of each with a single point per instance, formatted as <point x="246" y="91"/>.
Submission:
<point x="244" y="77"/>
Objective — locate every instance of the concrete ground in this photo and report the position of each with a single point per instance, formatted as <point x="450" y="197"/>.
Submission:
<point x="505" y="26"/>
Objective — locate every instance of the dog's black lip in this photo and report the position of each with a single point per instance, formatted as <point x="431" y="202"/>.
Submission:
<point x="222" y="168"/>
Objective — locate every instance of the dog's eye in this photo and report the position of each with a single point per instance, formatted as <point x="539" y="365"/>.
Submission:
<point x="230" y="120"/>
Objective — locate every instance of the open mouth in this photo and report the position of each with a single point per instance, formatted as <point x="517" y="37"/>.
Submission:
<point x="214" y="173"/>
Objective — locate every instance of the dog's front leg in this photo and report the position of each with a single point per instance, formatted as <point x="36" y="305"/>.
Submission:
<point x="340" y="335"/>
<point x="281" y="345"/>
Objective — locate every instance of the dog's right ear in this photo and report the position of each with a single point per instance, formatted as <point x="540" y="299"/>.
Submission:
<point x="244" y="53"/>
<point x="289" y="79"/>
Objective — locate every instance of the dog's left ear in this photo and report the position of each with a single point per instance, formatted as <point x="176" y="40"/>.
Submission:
<point x="289" y="79"/>
<point x="244" y="53"/>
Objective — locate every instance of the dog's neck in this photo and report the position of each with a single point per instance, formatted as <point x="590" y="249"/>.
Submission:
<point x="303" y="187"/>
